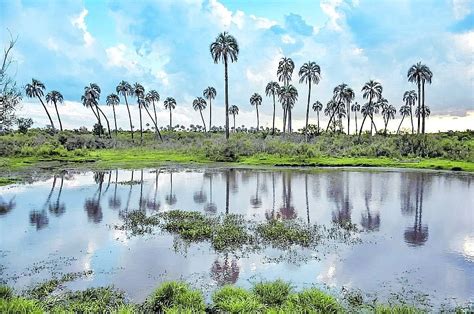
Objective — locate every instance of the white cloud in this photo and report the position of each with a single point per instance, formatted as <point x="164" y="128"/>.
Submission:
<point x="119" y="56"/>
<point x="287" y="39"/>
<point x="330" y="8"/>
<point x="80" y="23"/>
<point x="462" y="8"/>
<point x="262" y="22"/>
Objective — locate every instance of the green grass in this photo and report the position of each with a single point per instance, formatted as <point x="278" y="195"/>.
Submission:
<point x="274" y="293"/>
<point x="230" y="299"/>
<point x="175" y="296"/>
<point x="285" y="233"/>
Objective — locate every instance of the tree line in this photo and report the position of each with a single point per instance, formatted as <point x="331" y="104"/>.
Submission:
<point x="225" y="49"/>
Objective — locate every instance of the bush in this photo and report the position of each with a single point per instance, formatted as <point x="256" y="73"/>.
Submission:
<point x="231" y="299"/>
<point x="273" y="293"/>
<point x="174" y="295"/>
<point x="24" y="124"/>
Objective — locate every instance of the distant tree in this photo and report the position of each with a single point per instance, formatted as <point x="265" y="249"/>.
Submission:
<point x="92" y="95"/>
<point x="139" y="92"/>
<point x="170" y="104"/>
<point x="405" y="110"/>
<point x="35" y="89"/>
<point x="388" y="113"/>
<point x="55" y="97"/>
<point x="24" y="124"/>
<point x="125" y="89"/>
<point x="309" y="73"/>
<point x="256" y="100"/>
<point x="372" y="91"/>
<point x="409" y="97"/>
<point x="288" y="96"/>
<point x="113" y="100"/>
<point x="210" y="93"/>
<point x="423" y="112"/>
<point x="234" y="110"/>
<point x="272" y="89"/>
<point x="420" y="74"/>
<point x="152" y="97"/>
<point x="10" y="94"/>
<point x="225" y="48"/>
<point x="355" y="108"/>
<point x="318" y="106"/>
<point x="200" y="104"/>
<point x="284" y="73"/>
<point x="345" y="94"/>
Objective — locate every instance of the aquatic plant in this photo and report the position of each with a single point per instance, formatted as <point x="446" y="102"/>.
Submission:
<point x="230" y="299"/>
<point x="274" y="293"/>
<point x="230" y="234"/>
<point x="175" y="296"/>
<point x="284" y="234"/>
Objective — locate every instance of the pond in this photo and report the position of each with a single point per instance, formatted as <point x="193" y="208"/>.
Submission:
<point x="416" y="229"/>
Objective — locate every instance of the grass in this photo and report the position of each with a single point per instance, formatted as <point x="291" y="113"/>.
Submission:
<point x="231" y="299"/>
<point x="175" y="296"/>
<point x="285" y="233"/>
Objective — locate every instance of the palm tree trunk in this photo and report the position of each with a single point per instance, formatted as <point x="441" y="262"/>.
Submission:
<point x="411" y="117"/>
<point x="235" y="130"/>
<point x="202" y="118"/>
<point x="273" y="125"/>
<point x="284" y="119"/>
<point x="141" y="126"/>
<point x="362" y="125"/>
<point x="290" y="125"/>
<point x="423" y="116"/>
<point x="210" y="114"/>
<point x="115" y="119"/>
<point x="398" y="131"/>
<point x="373" y="124"/>
<point x="419" y="106"/>
<point x="226" y="98"/>
<point x="258" y="118"/>
<point x="355" y="113"/>
<point x="47" y="112"/>
<point x="154" y="122"/>
<point x="227" y="192"/>
<point x="330" y="119"/>
<point x="318" y="120"/>
<point x="348" y="117"/>
<point x="170" y="121"/>
<point x="154" y="110"/>
<point x="307" y="109"/>
<point x="106" y="120"/>
<point x="59" y="118"/>
<point x="129" y="116"/>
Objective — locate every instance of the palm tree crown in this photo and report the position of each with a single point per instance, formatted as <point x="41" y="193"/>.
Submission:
<point x="54" y="97"/>
<point x="112" y="100"/>
<point x="138" y="90"/>
<point x="224" y="47"/>
<point x="170" y="103"/>
<point x="209" y="93"/>
<point x="317" y="106"/>
<point x="285" y="70"/>
<point x="124" y="88"/>
<point x="355" y="107"/>
<point x="234" y="110"/>
<point x="419" y="73"/>
<point x="288" y="96"/>
<point x="256" y="100"/>
<point x="35" y="89"/>
<point x="199" y="104"/>
<point x="310" y="72"/>
<point x="372" y="90"/>
<point x="272" y="88"/>
<point x="152" y="95"/>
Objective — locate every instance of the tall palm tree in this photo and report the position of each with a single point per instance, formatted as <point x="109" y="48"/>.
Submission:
<point x="234" y="110"/>
<point x="113" y="100"/>
<point x="145" y="103"/>
<point x="388" y="112"/>
<point x="309" y="73"/>
<point x="424" y="112"/>
<point x="256" y="100"/>
<point x="225" y="48"/>
<point x="210" y="93"/>
<point x="345" y="94"/>
<point x="151" y="97"/>
<point x="355" y="108"/>
<point x="284" y="72"/>
<point x="372" y="90"/>
<point x="420" y="74"/>
<point x="139" y="92"/>
<point x="35" y="89"/>
<point x="200" y="104"/>
<point x="409" y="97"/>
<point x="125" y="89"/>
<point x="272" y="89"/>
<point x="330" y="110"/>
<point x="288" y="96"/>
<point x="92" y="95"/>
<point x="170" y="104"/>
<point x="55" y="97"/>
<point x="367" y="110"/>
<point x="405" y="110"/>
<point x="317" y="106"/>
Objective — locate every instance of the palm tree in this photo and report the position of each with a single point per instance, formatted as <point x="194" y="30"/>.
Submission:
<point x="125" y="89"/>
<point x="92" y="96"/>
<point x="309" y="73"/>
<point x="355" y="108"/>
<point x="35" y="89"/>
<point x="409" y="97"/>
<point x="170" y="104"/>
<point x="234" y="110"/>
<point x="288" y="96"/>
<point x="420" y="74"/>
<point x="225" y="48"/>
<point x="151" y="97"/>
<point x="404" y="111"/>
<point x="423" y="113"/>
<point x="256" y="100"/>
<point x="372" y="90"/>
<point x="388" y="112"/>
<point x="139" y="92"/>
<point x="56" y="97"/>
<point x="210" y="93"/>
<point x="345" y="94"/>
<point x="330" y="110"/>
<point x="200" y="104"/>
<point x="367" y="110"/>
<point x="272" y="89"/>
<point x="284" y="72"/>
<point x="113" y="100"/>
<point x="317" y="106"/>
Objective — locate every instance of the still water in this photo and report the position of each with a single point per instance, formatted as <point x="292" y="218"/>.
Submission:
<point x="418" y="229"/>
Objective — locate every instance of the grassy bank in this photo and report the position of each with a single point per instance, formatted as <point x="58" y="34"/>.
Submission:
<point x="178" y="297"/>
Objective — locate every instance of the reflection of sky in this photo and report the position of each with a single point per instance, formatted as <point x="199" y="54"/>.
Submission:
<point x="442" y="266"/>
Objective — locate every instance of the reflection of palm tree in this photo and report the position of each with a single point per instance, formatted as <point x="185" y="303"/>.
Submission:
<point x="141" y="200"/>
<point x="418" y="234"/>
<point x="115" y="202"/>
<point x="272" y="215"/>
<point x="306" y="193"/>
<point x="40" y="218"/>
<point x="287" y="211"/>
<point x="210" y="207"/>
<point x="130" y="191"/>
<point x="92" y="205"/>
<point x="6" y="207"/>
<point x="200" y="196"/>
<point x="339" y="193"/>
<point x="152" y="204"/>
<point x="369" y="220"/>
<point x="225" y="272"/>
<point x="227" y="191"/>
<point x="255" y="200"/>
<point x="171" y="198"/>
<point x="58" y="208"/>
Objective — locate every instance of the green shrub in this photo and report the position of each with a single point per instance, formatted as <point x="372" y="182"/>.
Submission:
<point x="172" y="295"/>
<point x="273" y="293"/>
<point x="231" y="299"/>
<point x="5" y="292"/>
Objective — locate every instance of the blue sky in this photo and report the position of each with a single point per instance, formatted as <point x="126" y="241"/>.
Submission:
<point x="165" y="46"/>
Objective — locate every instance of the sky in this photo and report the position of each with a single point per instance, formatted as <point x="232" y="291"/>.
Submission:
<point x="164" y="45"/>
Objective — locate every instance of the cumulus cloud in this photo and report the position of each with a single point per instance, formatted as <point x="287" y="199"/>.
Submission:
<point x="79" y="22"/>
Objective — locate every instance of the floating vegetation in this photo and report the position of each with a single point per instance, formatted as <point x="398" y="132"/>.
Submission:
<point x="42" y="290"/>
<point x="283" y="234"/>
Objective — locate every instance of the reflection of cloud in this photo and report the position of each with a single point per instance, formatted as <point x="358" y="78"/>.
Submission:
<point x="468" y="247"/>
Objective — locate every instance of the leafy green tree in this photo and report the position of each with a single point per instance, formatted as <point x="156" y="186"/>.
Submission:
<point x="355" y="108"/>
<point x="345" y="94"/>
<point x="210" y="93"/>
<point x="405" y="110"/>
<point x="24" y="124"/>
<point x="284" y="72"/>
<point x="56" y="97"/>
<point x="125" y="89"/>
<point x="35" y="89"/>
<point x="200" y="104"/>
<point x="234" y="110"/>
<point x="309" y="73"/>
<point x="318" y="106"/>
<point x="372" y="91"/>
<point x="256" y="100"/>
<point x="225" y="48"/>
<point x="420" y="74"/>
<point x="272" y="89"/>
<point x="410" y="97"/>
<point x="139" y="92"/>
<point x="170" y="104"/>
<point x="113" y="100"/>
